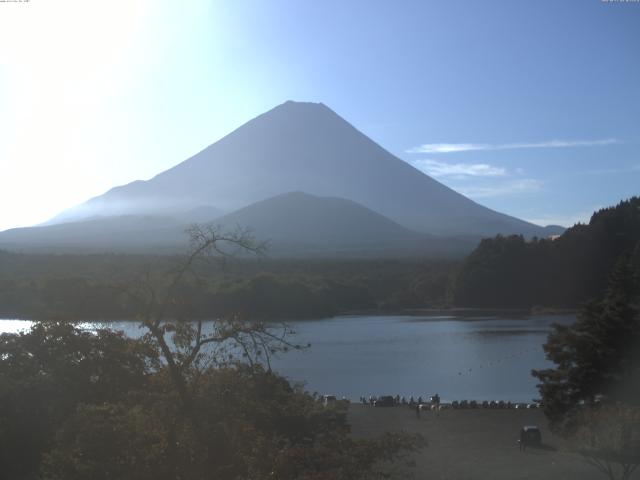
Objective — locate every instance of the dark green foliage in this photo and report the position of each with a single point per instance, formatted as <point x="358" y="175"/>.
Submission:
<point x="76" y="405"/>
<point x="107" y="441"/>
<point x="502" y="264"/>
<point x="46" y="373"/>
<point x="566" y="272"/>
<point x="86" y="286"/>
<point x="597" y="358"/>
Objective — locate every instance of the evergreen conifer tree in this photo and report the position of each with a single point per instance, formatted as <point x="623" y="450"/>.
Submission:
<point x="597" y="359"/>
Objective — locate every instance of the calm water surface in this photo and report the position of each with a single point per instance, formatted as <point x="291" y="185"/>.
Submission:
<point x="482" y="358"/>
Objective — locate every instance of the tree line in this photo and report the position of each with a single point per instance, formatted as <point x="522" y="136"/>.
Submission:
<point x="502" y="272"/>
<point x="86" y="286"/>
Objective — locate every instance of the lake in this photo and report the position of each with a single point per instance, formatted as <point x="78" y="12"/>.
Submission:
<point x="459" y="357"/>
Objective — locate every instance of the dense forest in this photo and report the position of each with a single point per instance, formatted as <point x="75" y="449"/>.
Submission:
<point x="566" y="271"/>
<point x="501" y="273"/>
<point x="96" y="286"/>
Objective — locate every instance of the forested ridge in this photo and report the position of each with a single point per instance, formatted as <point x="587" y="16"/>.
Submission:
<point x="512" y="272"/>
<point x="93" y="286"/>
<point x="501" y="273"/>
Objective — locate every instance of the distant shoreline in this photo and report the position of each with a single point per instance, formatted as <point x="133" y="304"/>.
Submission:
<point x="413" y="312"/>
<point x="464" y="311"/>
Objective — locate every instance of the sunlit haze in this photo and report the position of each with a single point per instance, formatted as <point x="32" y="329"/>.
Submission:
<point x="350" y="239"/>
<point x="529" y="108"/>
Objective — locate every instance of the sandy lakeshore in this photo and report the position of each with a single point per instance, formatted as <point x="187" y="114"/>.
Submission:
<point x="476" y="444"/>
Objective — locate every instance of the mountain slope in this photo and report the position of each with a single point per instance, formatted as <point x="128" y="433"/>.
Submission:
<point x="298" y="224"/>
<point x="122" y="233"/>
<point x="294" y="224"/>
<point x="304" y="147"/>
<point x="303" y="218"/>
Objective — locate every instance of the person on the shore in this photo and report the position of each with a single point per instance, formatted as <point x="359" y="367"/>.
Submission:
<point x="418" y="410"/>
<point x="523" y="440"/>
<point x="436" y="401"/>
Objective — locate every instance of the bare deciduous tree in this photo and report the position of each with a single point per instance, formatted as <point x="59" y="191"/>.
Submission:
<point x="187" y="344"/>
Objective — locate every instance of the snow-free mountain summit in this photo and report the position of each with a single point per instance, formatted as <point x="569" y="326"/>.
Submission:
<point x="297" y="147"/>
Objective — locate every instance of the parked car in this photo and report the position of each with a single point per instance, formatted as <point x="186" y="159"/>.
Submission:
<point x="329" y="400"/>
<point x="531" y="435"/>
<point x="384" y="401"/>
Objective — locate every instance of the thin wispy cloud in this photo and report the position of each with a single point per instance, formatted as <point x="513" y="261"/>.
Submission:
<point x="470" y="147"/>
<point x="511" y="187"/>
<point x="488" y="180"/>
<point x="436" y="168"/>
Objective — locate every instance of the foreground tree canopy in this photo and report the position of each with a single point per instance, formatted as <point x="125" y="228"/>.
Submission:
<point x="182" y="402"/>
<point x="95" y="405"/>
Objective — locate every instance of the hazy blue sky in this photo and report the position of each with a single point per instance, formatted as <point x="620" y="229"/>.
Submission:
<point x="529" y="107"/>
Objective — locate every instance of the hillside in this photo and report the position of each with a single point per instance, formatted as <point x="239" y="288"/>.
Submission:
<point x="293" y="224"/>
<point x="121" y="233"/>
<point x="566" y="272"/>
<point x="301" y="225"/>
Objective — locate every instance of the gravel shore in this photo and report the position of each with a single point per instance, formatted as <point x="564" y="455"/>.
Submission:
<point x="476" y="444"/>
